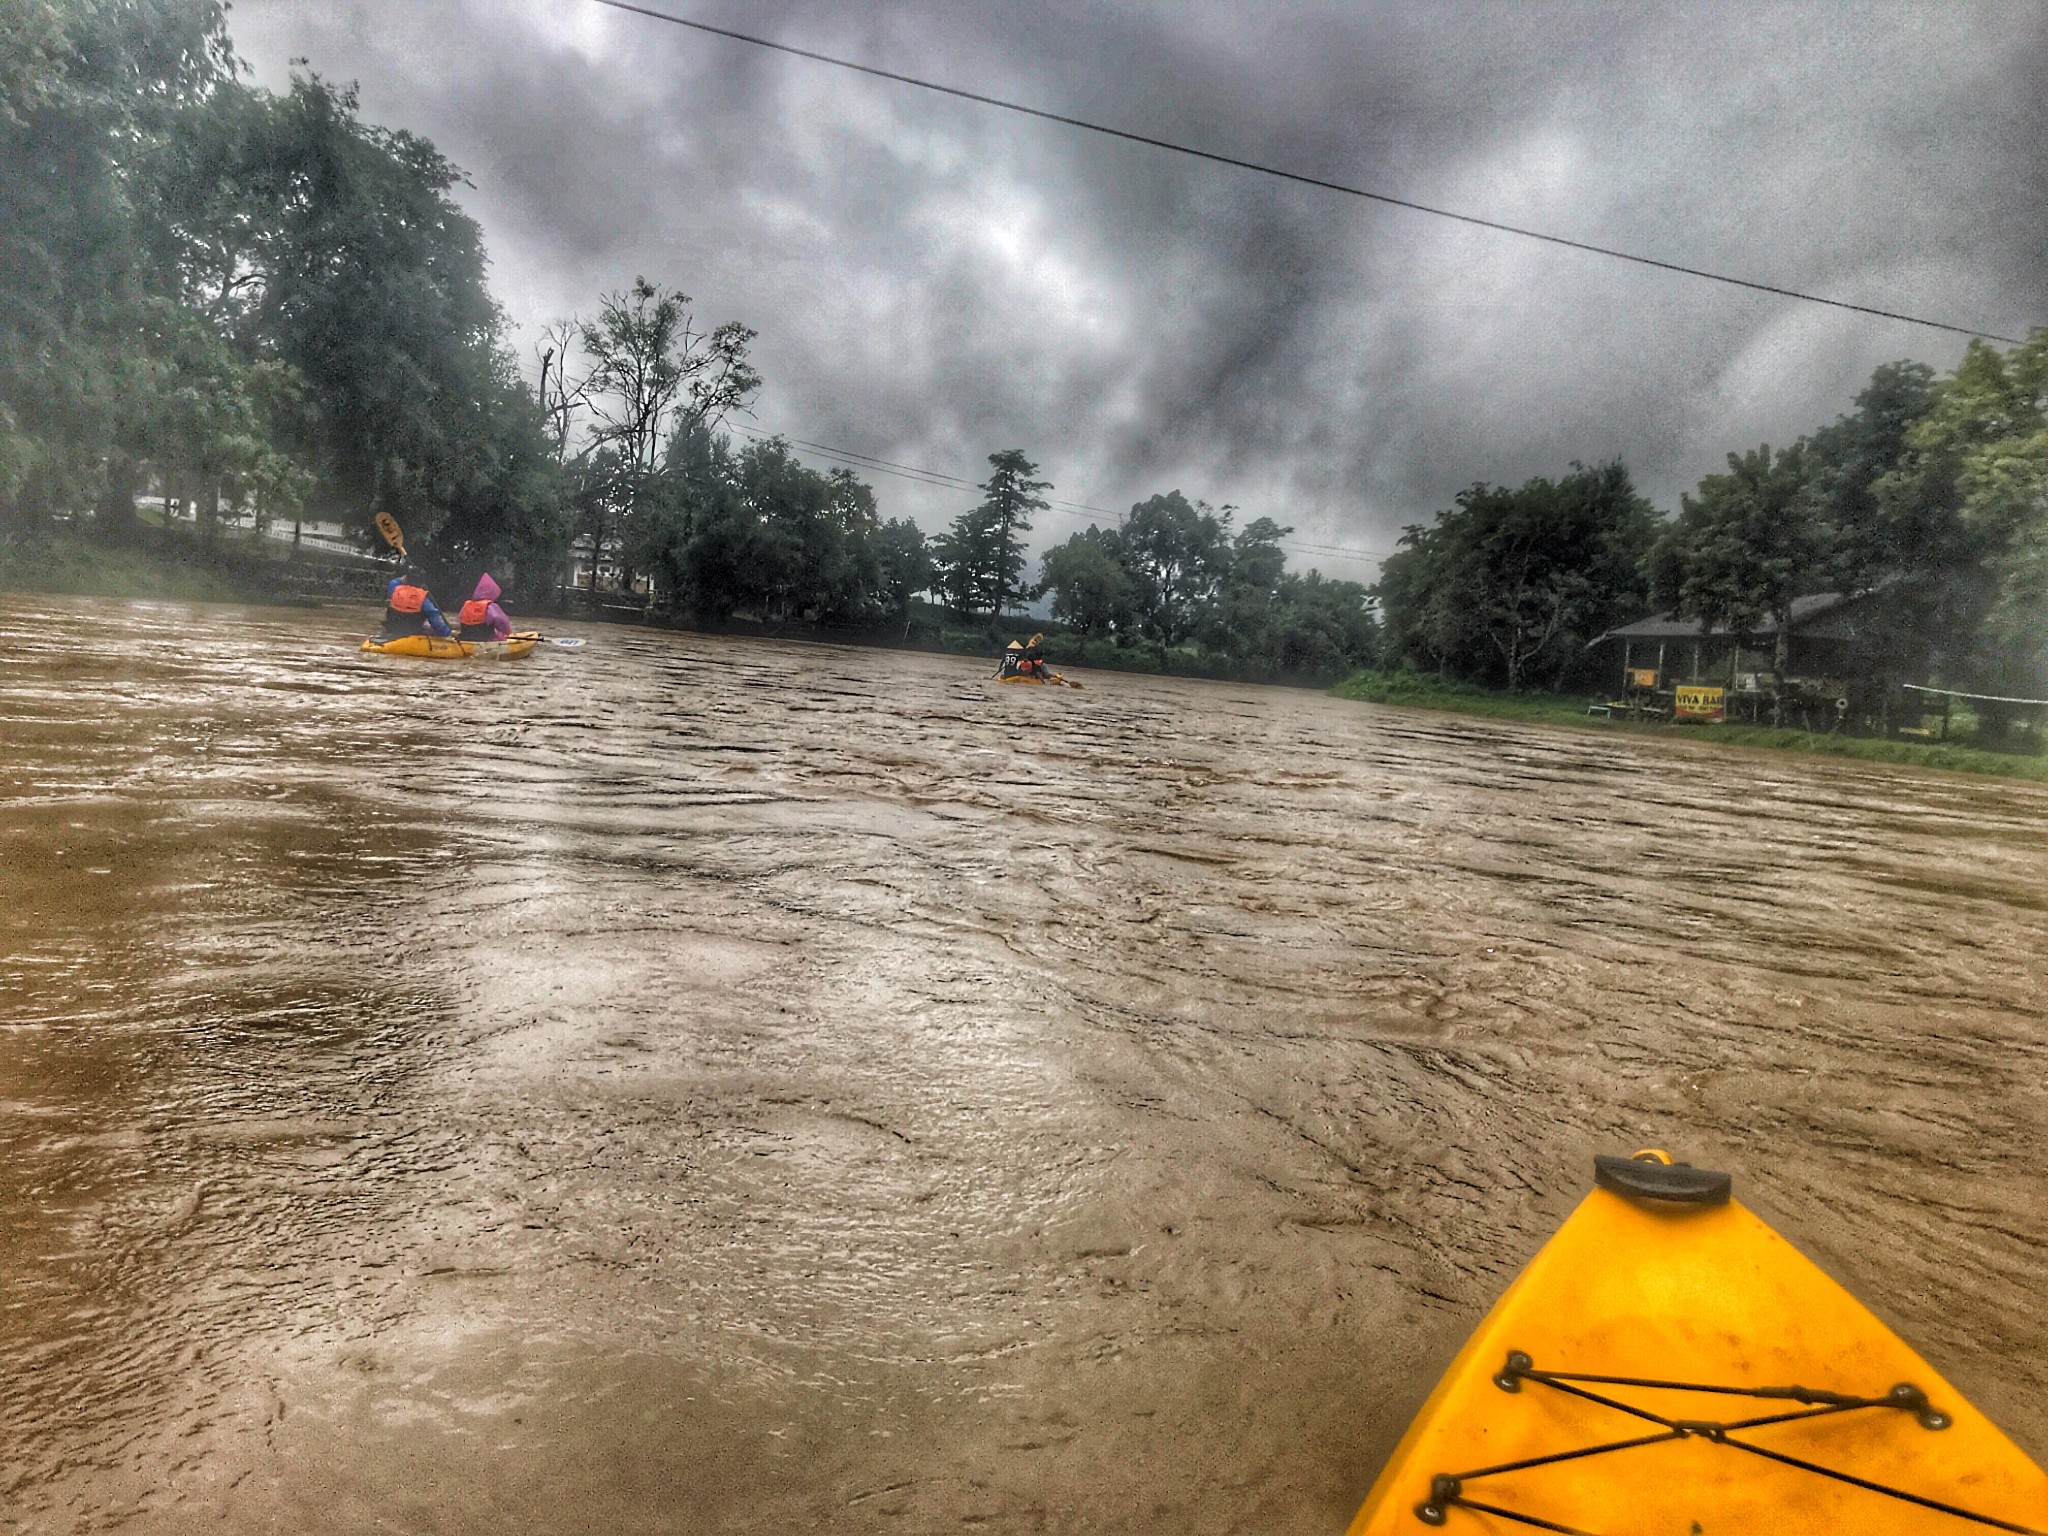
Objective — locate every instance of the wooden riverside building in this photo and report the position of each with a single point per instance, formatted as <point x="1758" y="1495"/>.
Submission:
<point x="1679" y="668"/>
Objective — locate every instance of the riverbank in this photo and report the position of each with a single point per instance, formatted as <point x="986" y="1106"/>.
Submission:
<point x="77" y="568"/>
<point x="1420" y="692"/>
<point x="934" y="631"/>
<point x="235" y="566"/>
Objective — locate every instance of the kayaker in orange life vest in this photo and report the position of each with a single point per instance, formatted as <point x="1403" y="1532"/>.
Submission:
<point x="1032" y="663"/>
<point x="410" y="610"/>
<point x="481" y="618"/>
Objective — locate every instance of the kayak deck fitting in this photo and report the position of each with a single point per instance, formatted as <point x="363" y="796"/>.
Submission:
<point x="1667" y="1363"/>
<point x="435" y="648"/>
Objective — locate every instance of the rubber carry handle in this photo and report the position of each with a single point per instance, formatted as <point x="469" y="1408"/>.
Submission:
<point x="1681" y="1183"/>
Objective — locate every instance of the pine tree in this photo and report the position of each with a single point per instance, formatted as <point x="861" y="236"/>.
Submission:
<point x="981" y="558"/>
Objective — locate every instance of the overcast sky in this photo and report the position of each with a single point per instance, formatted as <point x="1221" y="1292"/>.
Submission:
<point x="934" y="280"/>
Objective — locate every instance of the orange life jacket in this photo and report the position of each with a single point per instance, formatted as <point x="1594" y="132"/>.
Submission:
<point x="475" y="612"/>
<point x="408" y="599"/>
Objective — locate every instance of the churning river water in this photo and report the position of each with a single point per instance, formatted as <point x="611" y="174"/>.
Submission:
<point x="701" y="1085"/>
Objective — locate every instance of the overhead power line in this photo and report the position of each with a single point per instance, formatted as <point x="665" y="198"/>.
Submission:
<point x="932" y="477"/>
<point x="951" y="482"/>
<point x="1305" y="180"/>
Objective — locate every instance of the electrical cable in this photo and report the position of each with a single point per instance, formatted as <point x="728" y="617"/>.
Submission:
<point x="1305" y="180"/>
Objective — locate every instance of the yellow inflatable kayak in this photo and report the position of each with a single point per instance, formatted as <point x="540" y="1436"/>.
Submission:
<point x="437" y="649"/>
<point x="1050" y="679"/>
<point x="1668" y="1365"/>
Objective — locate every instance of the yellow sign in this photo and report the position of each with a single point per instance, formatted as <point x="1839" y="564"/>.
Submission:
<point x="1642" y="677"/>
<point x="1697" y="703"/>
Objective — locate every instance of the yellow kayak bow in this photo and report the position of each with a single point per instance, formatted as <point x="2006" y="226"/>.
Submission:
<point x="1667" y="1365"/>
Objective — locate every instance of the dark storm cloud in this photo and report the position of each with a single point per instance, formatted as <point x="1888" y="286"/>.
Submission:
<point x="934" y="279"/>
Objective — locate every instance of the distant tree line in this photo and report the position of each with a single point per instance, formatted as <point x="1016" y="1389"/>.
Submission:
<point x="752" y="530"/>
<point x="1932" y="491"/>
<point x="1174" y="574"/>
<point x="668" y="514"/>
<point x="720" y="531"/>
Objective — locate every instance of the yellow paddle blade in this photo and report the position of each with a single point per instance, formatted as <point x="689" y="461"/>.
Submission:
<point x="388" y="526"/>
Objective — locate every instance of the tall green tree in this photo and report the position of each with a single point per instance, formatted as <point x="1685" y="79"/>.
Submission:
<point x="1510" y="584"/>
<point x="362" y="275"/>
<point x="759" y="532"/>
<point x="959" y="566"/>
<point x="1177" y="555"/>
<point x="1320" y="628"/>
<point x="1971" y="494"/>
<point x="1245" y="615"/>
<point x="1185" y="578"/>
<point x="906" y="565"/>
<point x="242" y="299"/>
<point x="1880" y="544"/>
<point x="89" y="335"/>
<point x="508" y="506"/>
<point x="981" y="556"/>
<point x="334" y="249"/>
<point x="709" y="552"/>
<point x="1257" y="561"/>
<point x="1746" y="544"/>
<point x="1090" y="589"/>
<point x="1848" y="458"/>
<point x="654" y="373"/>
<point x="825" y="563"/>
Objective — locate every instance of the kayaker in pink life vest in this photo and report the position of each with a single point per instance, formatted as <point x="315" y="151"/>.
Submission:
<point x="481" y="617"/>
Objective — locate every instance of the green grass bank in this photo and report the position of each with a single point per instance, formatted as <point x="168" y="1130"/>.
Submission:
<point x="82" y="568"/>
<point x="235" y="566"/>
<point x="1417" y="691"/>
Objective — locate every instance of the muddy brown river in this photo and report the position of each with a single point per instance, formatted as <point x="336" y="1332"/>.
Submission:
<point x="695" y="1085"/>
